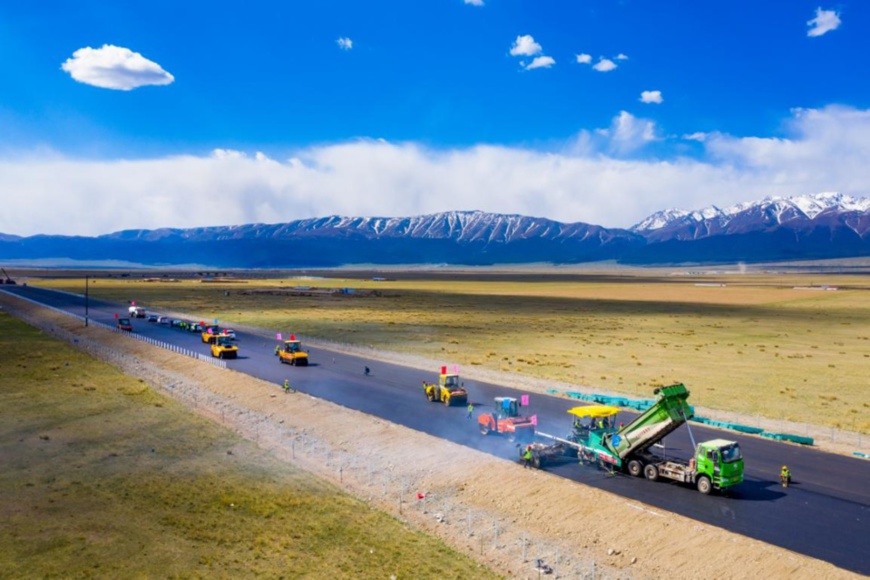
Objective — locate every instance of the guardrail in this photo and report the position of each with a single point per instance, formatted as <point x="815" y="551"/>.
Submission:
<point x="153" y="342"/>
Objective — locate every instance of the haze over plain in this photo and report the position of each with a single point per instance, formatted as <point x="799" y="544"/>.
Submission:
<point x="118" y="117"/>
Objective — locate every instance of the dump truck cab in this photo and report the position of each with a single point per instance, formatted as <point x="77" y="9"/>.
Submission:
<point x="720" y="461"/>
<point x="506" y="420"/>
<point x="449" y="389"/>
<point x="291" y="353"/>
<point x="223" y="347"/>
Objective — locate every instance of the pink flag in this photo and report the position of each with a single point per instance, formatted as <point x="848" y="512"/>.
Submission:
<point x="279" y="336"/>
<point x="524" y="400"/>
<point x="534" y="419"/>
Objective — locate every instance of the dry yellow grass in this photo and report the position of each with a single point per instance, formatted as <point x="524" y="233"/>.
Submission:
<point x="103" y="477"/>
<point x="758" y="344"/>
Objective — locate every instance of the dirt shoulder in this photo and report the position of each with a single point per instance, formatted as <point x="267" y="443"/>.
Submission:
<point x="494" y="510"/>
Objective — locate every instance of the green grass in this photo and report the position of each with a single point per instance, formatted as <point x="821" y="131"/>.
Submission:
<point x="756" y="346"/>
<point x="104" y="477"/>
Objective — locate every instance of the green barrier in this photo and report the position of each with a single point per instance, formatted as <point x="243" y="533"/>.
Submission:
<point x="788" y="437"/>
<point x="747" y="429"/>
<point x="859" y="454"/>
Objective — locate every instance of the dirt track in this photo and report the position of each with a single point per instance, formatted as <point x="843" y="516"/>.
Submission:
<point x="501" y="514"/>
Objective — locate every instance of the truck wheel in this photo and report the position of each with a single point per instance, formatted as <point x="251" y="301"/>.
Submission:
<point x="635" y="468"/>
<point x="484" y="428"/>
<point x="446" y="401"/>
<point x="651" y="472"/>
<point x="704" y="485"/>
<point x="292" y="362"/>
<point x="431" y="396"/>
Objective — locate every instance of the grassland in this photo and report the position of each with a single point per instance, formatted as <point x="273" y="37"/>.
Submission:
<point x="751" y="344"/>
<point x="103" y="477"/>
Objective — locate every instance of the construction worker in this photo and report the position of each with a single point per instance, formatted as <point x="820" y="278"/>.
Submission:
<point x="527" y="457"/>
<point x="277" y="349"/>
<point x="785" y="476"/>
<point x="286" y="386"/>
<point x="470" y="410"/>
<point x="367" y="371"/>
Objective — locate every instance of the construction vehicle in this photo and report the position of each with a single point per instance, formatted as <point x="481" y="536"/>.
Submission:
<point x="6" y="278"/>
<point x="136" y="311"/>
<point x="291" y="353"/>
<point x="448" y="390"/>
<point x="223" y="347"/>
<point x="571" y="447"/>
<point x="716" y="464"/>
<point x="209" y="333"/>
<point x="506" y="420"/>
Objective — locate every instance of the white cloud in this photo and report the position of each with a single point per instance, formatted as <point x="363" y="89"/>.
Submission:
<point x="604" y="65"/>
<point x="540" y="62"/>
<point x="824" y="22"/>
<point x="344" y="43"/>
<point x="601" y="179"/>
<point x="696" y="136"/>
<point x="621" y="56"/>
<point x="474" y="2"/>
<point x="525" y="46"/>
<point x="584" y="58"/>
<point x="115" y="67"/>
<point x="627" y="133"/>
<point x="651" y="97"/>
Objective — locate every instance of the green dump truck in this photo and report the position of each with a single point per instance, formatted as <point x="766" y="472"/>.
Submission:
<point x="716" y="464"/>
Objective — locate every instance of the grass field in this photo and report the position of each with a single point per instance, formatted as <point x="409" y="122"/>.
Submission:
<point x="751" y="344"/>
<point x="103" y="477"/>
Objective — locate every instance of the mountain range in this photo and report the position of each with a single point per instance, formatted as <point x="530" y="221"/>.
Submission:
<point x="820" y="226"/>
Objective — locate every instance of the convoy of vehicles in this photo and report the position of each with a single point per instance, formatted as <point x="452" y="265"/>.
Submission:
<point x="291" y="353"/>
<point x="448" y="390"/>
<point x="716" y="464"/>
<point x="594" y="435"/>
<point x="506" y="420"/>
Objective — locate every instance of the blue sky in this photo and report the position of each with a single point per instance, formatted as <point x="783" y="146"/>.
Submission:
<point x="214" y="113"/>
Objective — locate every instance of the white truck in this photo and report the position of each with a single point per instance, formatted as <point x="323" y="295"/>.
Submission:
<point x="137" y="311"/>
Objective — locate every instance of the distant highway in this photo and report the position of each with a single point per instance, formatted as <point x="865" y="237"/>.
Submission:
<point x="825" y="514"/>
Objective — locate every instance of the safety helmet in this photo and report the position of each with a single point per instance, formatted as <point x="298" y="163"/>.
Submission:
<point x="785" y="467"/>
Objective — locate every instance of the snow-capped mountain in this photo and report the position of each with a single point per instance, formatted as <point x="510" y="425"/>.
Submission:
<point x="771" y="211"/>
<point x="825" y="225"/>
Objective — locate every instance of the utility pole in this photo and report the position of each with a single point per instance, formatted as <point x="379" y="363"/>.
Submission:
<point x="86" y="299"/>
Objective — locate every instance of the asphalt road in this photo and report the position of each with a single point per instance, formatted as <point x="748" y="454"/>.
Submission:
<point x="825" y="514"/>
